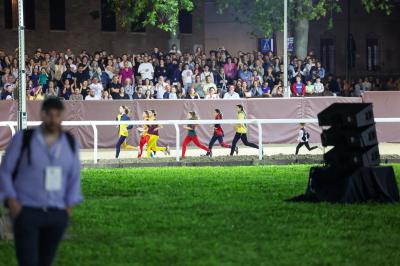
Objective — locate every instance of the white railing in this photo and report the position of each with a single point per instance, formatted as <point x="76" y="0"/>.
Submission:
<point x="177" y="123"/>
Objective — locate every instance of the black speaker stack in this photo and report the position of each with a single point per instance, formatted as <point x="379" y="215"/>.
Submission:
<point x="352" y="171"/>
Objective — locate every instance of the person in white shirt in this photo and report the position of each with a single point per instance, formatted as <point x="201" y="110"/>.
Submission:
<point x="187" y="77"/>
<point x="91" y="96"/>
<point x="207" y="73"/>
<point x="208" y="85"/>
<point x="146" y="69"/>
<point x="122" y="63"/>
<point x="160" y="88"/>
<point x="318" y="86"/>
<point x="231" y="94"/>
<point x="212" y="95"/>
<point x="97" y="87"/>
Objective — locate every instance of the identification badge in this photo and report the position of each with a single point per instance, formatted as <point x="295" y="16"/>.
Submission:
<point x="53" y="178"/>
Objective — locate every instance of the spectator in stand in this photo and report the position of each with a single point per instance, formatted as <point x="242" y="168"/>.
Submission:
<point x="333" y="85"/>
<point x="278" y="92"/>
<point x="167" y="91"/>
<point x="208" y="85"/>
<point x="319" y="87"/>
<point x="125" y="73"/>
<point x="172" y="95"/>
<point x="52" y="90"/>
<point x="207" y="73"/>
<point x="68" y="75"/>
<point x="81" y="75"/>
<point x="84" y="89"/>
<point x="231" y="94"/>
<point x="160" y="88"/>
<point x="198" y="86"/>
<point x="66" y="90"/>
<point x="91" y="96"/>
<point x="146" y="69"/>
<point x="7" y="92"/>
<point x="255" y="90"/>
<point x="129" y="88"/>
<point x="138" y="95"/>
<point x="122" y="95"/>
<point x="320" y="70"/>
<point x="298" y="88"/>
<point x="212" y="95"/>
<point x="105" y="96"/>
<point x="366" y="85"/>
<point x="76" y="96"/>
<point x="97" y="87"/>
<point x="245" y="74"/>
<point x="192" y="94"/>
<point x="309" y="88"/>
<point x="43" y="79"/>
<point x="114" y="87"/>
<point x="230" y="70"/>
<point x="160" y="70"/>
<point x="148" y="95"/>
<point x="187" y="77"/>
<point x="266" y="89"/>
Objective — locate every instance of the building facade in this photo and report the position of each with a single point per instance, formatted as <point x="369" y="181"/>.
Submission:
<point x="62" y="24"/>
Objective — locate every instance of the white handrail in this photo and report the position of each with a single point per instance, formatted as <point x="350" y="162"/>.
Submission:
<point x="177" y="123"/>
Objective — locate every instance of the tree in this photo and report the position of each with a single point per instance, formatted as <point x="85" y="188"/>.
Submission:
<point x="266" y="16"/>
<point x="162" y="14"/>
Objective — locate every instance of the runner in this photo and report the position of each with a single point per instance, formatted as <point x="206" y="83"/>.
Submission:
<point x="123" y="130"/>
<point x="144" y="136"/>
<point x="192" y="136"/>
<point x="152" y="130"/>
<point x="218" y="134"/>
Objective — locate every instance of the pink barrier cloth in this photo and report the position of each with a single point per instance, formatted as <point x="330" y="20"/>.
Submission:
<point x="293" y="108"/>
<point x="386" y="104"/>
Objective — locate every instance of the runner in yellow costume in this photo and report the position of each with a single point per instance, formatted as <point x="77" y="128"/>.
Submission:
<point x="152" y="130"/>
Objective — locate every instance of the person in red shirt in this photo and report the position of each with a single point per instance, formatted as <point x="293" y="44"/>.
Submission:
<point x="298" y="88"/>
<point x="218" y="134"/>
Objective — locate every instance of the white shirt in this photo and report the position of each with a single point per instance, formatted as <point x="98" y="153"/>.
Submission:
<point x="146" y="70"/>
<point x="234" y="95"/>
<point x="98" y="89"/>
<point x="318" y="87"/>
<point x="122" y="64"/>
<point x="204" y="75"/>
<point x="187" y="76"/>
<point x="212" y="97"/>
<point x="90" y="98"/>
<point x="160" y="91"/>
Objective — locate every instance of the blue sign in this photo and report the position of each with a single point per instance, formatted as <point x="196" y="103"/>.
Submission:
<point x="266" y="45"/>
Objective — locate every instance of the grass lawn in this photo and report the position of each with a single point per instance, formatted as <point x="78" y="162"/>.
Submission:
<point x="220" y="215"/>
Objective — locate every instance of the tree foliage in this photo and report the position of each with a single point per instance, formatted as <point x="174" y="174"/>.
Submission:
<point x="266" y="16"/>
<point x="163" y="14"/>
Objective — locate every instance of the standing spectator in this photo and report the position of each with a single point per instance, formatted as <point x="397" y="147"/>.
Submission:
<point x="68" y="74"/>
<point x="160" y="88"/>
<point x="81" y="75"/>
<point x="125" y="73"/>
<point x="298" y="88"/>
<point x="187" y="77"/>
<point x="97" y="87"/>
<point x="245" y="74"/>
<point x="146" y="69"/>
<point x="208" y="85"/>
<point x="43" y="78"/>
<point x="230" y="69"/>
<point x="160" y="70"/>
<point x="32" y="168"/>
<point x="320" y="70"/>
<point x="207" y="73"/>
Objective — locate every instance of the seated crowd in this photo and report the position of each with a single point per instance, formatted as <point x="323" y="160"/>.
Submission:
<point x="172" y="75"/>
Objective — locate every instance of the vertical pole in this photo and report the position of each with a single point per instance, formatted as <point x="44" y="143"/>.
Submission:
<point x="95" y="143"/>
<point x="177" y="140"/>
<point x="22" y="117"/>
<point x="285" y="45"/>
<point x="260" y="142"/>
<point x="348" y="52"/>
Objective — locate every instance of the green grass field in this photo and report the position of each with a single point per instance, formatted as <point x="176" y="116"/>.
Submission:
<point x="220" y="215"/>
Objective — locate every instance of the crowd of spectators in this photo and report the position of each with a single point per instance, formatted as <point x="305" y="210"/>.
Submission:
<point x="173" y="75"/>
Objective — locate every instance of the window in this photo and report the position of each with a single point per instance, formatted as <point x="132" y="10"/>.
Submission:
<point x="185" y="21"/>
<point x="108" y="18"/>
<point x="57" y="14"/>
<point x="29" y="14"/>
<point x="138" y="25"/>
<point x="372" y="54"/>
<point x="328" y="54"/>
<point x="8" y="14"/>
